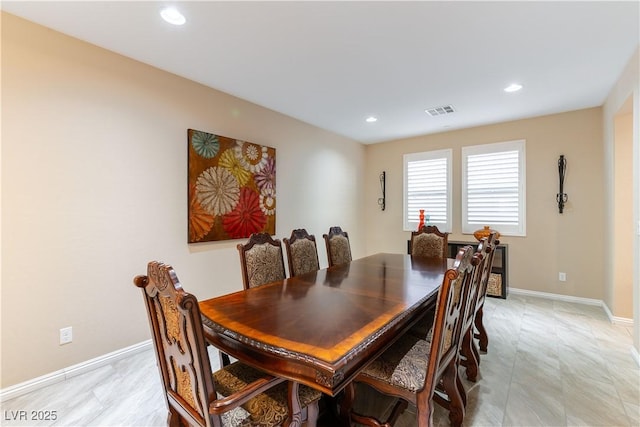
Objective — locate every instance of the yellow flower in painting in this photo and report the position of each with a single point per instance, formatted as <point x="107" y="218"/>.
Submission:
<point x="229" y="161"/>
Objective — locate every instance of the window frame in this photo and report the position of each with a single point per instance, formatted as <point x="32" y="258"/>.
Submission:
<point x="428" y="155"/>
<point x="520" y="229"/>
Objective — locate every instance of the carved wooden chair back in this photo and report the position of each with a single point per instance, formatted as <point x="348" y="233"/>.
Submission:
<point x="468" y="347"/>
<point x="412" y="367"/>
<point x="190" y="387"/>
<point x="302" y="252"/>
<point x="429" y="242"/>
<point x="261" y="260"/>
<point x="338" y="246"/>
<point x="490" y="250"/>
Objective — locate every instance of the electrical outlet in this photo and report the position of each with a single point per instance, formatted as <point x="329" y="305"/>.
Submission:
<point x="66" y="335"/>
<point x="562" y="277"/>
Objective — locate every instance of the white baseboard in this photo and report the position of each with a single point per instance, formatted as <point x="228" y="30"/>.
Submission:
<point x="72" y="371"/>
<point x="558" y="297"/>
<point x="623" y="321"/>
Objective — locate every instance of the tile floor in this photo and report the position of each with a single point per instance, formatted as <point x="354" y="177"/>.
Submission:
<point x="550" y="363"/>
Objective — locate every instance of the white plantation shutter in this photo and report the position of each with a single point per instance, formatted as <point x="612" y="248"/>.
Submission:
<point x="493" y="187"/>
<point x="427" y="185"/>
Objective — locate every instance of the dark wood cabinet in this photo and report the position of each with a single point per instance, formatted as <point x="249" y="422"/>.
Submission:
<point x="499" y="280"/>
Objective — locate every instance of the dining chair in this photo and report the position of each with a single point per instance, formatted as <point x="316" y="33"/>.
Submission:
<point x="470" y="356"/>
<point x="338" y="247"/>
<point x="413" y="368"/>
<point x="302" y="252"/>
<point x="236" y="395"/>
<point x="429" y="241"/>
<point x="490" y="249"/>
<point x="261" y="260"/>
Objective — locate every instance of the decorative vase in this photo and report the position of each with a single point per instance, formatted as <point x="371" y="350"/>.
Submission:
<point x="421" y="223"/>
<point x="480" y="234"/>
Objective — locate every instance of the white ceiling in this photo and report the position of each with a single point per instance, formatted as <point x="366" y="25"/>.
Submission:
<point x="332" y="64"/>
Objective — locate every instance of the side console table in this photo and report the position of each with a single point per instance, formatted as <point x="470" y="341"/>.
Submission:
<point x="499" y="280"/>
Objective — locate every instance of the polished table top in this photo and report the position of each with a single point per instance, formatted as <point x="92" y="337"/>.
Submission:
<point x="322" y="328"/>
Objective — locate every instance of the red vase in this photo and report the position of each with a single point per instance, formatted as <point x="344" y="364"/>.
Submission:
<point x="421" y="223"/>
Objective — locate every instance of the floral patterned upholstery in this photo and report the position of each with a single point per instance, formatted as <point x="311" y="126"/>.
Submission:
<point x="338" y="247"/>
<point x="304" y="256"/>
<point x="429" y="242"/>
<point x="340" y="250"/>
<point x="265" y="410"/>
<point x="427" y="245"/>
<point x="403" y="365"/>
<point x="264" y="264"/>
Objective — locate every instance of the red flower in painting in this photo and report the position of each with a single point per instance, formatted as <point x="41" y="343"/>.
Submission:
<point x="246" y="218"/>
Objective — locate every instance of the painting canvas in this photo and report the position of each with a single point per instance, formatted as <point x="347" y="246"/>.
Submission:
<point x="232" y="188"/>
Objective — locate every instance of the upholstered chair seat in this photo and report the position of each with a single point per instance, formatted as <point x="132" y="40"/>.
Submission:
<point x="403" y="365"/>
<point x="268" y="409"/>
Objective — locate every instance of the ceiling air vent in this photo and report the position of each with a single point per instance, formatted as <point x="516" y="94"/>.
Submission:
<point x="440" y="111"/>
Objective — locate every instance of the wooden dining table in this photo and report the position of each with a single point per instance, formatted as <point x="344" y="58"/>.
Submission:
<point x="322" y="328"/>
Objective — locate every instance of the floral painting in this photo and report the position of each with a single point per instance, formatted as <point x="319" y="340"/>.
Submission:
<point x="232" y="188"/>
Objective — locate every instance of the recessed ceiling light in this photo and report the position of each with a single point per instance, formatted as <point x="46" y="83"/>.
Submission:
<point x="172" y="16"/>
<point x="371" y="119"/>
<point x="513" y="87"/>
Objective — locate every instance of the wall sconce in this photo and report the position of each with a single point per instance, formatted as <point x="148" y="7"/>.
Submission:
<point x="381" y="200"/>
<point x="561" y="197"/>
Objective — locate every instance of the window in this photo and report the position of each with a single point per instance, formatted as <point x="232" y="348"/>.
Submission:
<point x="493" y="187"/>
<point x="427" y="185"/>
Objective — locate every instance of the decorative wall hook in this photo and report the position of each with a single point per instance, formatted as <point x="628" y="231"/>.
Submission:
<point x="382" y="200"/>
<point x="561" y="197"/>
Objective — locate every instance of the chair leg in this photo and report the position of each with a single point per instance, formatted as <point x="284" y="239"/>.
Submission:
<point x="425" y="412"/>
<point x="461" y="390"/>
<point x="483" y="339"/>
<point x="400" y="406"/>
<point x="173" y="418"/>
<point x="451" y="383"/>
<point x="474" y="347"/>
<point x="348" y="416"/>
<point x="467" y="351"/>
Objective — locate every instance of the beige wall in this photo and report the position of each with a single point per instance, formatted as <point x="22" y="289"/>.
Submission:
<point x="568" y="242"/>
<point x="625" y="90"/>
<point x="623" y="230"/>
<point x="94" y="186"/>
